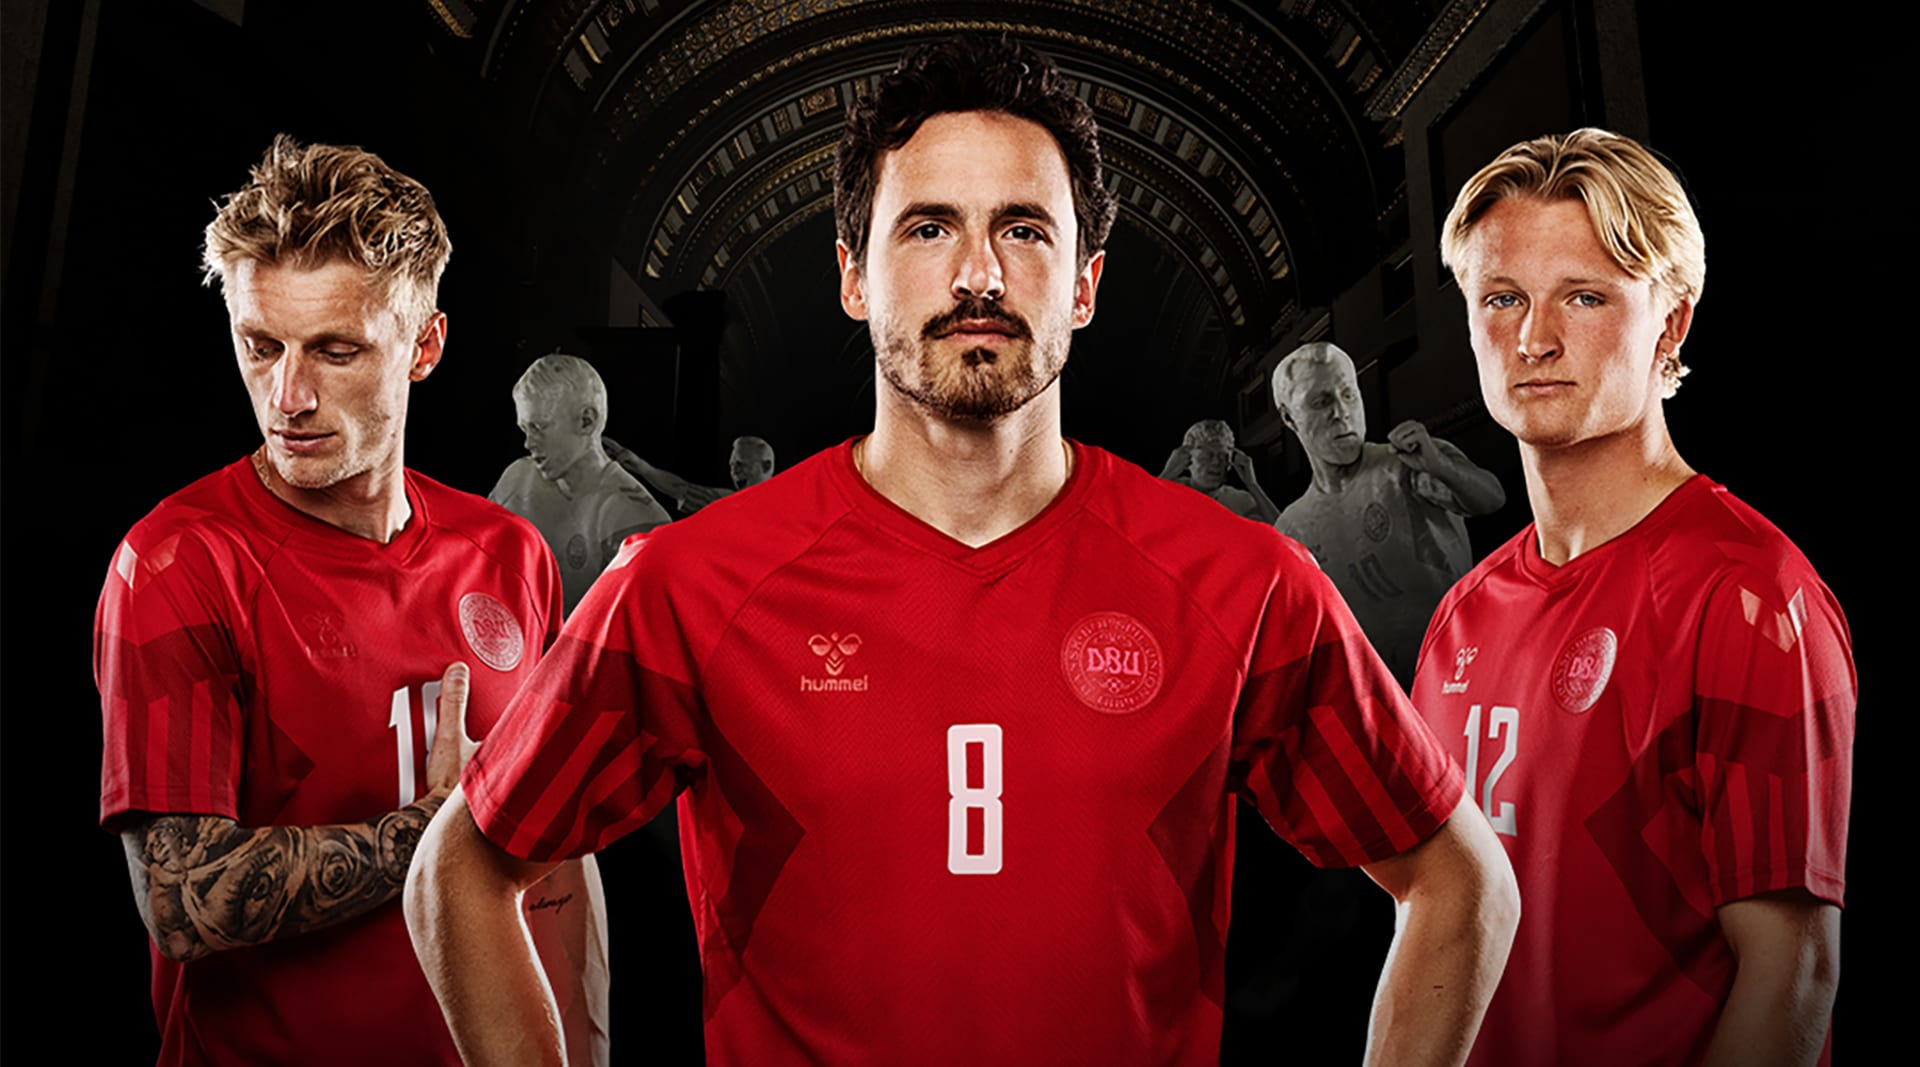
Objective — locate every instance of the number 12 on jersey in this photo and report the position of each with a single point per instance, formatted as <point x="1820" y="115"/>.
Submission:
<point x="1500" y="720"/>
<point x="973" y="811"/>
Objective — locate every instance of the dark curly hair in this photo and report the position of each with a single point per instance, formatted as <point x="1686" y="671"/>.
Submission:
<point x="968" y="73"/>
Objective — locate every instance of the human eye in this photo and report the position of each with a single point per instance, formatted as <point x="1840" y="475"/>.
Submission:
<point x="1023" y="231"/>
<point x="1500" y="301"/>
<point x="1588" y="300"/>
<point x="927" y="231"/>
<point x="260" y="349"/>
<point x="340" y="353"/>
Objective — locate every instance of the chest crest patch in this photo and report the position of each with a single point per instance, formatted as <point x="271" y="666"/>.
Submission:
<point x="1112" y="663"/>
<point x="492" y="631"/>
<point x="1581" y="670"/>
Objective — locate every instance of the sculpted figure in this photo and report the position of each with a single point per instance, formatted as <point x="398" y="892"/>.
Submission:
<point x="1384" y="520"/>
<point x="1202" y="462"/>
<point x="750" y="463"/>
<point x="582" y="502"/>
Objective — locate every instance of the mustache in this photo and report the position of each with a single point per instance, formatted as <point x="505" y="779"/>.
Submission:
<point x="975" y="309"/>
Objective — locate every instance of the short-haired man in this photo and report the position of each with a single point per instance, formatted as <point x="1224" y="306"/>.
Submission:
<point x="1383" y="520"/>
<point x="1201" y="462"/>
<point x="581" y="501"/>
<point x="749" y="463"/>
<point x="960" y="708"/>
<point x="270" y="646"/>
<point x="1651" y="691"/>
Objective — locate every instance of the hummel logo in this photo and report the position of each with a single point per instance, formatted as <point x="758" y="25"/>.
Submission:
<point x="836" y="648"/>
<point x="1461" y="660"/>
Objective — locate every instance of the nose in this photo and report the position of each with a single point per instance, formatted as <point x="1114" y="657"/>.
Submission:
<point x="1539" y="334"/>
<point x="978" y="272"/>
<point x="293" y="385"/>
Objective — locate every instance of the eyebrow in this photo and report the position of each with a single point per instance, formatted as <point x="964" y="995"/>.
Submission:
<point x="1017" y="209"/>
<point x="330" y="337"/>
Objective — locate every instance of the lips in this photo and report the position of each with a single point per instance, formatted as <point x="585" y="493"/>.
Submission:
<point x="1542" y="386"/>
<point x="301" y="442"/>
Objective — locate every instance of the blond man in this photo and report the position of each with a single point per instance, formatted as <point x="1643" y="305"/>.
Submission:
<point x="1649" y="688"/>
<point x="272" y="650"/>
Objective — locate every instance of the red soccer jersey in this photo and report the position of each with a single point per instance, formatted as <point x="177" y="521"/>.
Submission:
<point x="1659" y="727"/>
<point x="962" y="805"/>
<point x="261" y="665"/>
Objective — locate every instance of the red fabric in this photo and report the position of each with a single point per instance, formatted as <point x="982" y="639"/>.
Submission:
<point x="248" y="659"/>
<point x="818" y="676"/>
<point x="1713" y="764"/>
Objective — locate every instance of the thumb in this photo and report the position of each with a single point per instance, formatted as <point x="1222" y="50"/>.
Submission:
<point x="453" y="700"/>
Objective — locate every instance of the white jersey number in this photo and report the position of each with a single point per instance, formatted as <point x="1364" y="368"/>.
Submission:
<point x="966" y="799"/>
<point x="401" y="720"/>
<point x="1503" y="818"/>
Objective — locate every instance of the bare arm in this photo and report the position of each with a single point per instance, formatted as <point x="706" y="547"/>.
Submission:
<point x="1475" y="489"/>
<point x="1786" y="949"/>
<point x="463" y="912"/>
<point x="686" y="495"/>
<point x="1177" y="464"/>
<point x="1458" y="907"/>
<point x="204" y="883"/>
<point x="1265" y="510"/>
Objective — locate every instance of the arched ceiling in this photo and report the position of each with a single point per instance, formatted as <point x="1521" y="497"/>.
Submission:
<point x="1253" y="145"/>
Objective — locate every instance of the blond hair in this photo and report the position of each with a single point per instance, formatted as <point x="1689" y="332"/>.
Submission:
<point x="1639" y="210"/>
<point x="308" y="205"/>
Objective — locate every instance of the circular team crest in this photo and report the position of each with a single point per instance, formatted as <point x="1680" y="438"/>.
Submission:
<point x="492" y="631"/>
<point x="1376" y="522"/>
<point x="1583" y="667"/>
<point x="577" y="551"/>
<point x="1112" y="663"/>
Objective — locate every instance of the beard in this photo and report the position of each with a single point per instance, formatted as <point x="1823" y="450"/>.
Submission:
<point x="978" y="384"/>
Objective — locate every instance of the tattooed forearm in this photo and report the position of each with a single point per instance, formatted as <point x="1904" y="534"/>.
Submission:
<point x="204" y="883"/>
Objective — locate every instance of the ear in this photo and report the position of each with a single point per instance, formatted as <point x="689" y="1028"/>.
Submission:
<point x="1085" y="287"/>
<point x="588" y="416"/>
<point x="1679" y="321"/>
<point x="853" y="295"/>
<point x="428" y="347"/>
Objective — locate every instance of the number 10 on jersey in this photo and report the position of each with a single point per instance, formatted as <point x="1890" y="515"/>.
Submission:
<point x="973" y="805"/>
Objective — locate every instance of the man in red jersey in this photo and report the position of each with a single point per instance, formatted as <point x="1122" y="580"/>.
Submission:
<point x="1650" y="689"/>
<point x="270" y="647"/>
<point x="957" y="712"/>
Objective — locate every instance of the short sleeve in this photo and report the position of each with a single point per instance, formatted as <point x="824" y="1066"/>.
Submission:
<point x="604" y="733"/>
<point x="1325" y="744"/>
<point x="167" y="666"/>
<point x="1774" y="694"/>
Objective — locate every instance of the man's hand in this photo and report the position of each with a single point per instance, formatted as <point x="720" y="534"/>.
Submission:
<point x="451" y="749"/>
<point x="1178" y="463"/>
<point x="1243" y="467"/>
<point x="1412" y="446"/>
<point x="698" y="496"/>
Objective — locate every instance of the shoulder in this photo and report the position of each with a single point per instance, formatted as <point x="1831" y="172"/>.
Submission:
<point x="1500" y="560"/>
<point x="1716" y="543"/>
<point x="476" y="520"/>
<point x="738" y="540"/>
<point x="1208" y="548"/>
<point x="210" y="513"/>
<point x="621" y="492"/>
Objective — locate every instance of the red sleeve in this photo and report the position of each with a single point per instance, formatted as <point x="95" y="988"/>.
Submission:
<point x="604" y="733"/>
<point x="1774" y="693"/>
<point x="1325" y="744"/>
<point x="168" y="669"/>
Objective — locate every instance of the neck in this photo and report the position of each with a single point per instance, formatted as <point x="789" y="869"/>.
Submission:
<point x="590" y="462"/>
<point x="1587" y="494"/>
<point x="1331" y="477"/>
<point x="372" y="505"/>
<point x="973" y="481"/>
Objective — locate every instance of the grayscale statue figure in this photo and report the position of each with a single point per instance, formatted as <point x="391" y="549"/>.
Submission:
<point x="1383" y="520"/>
<point x="582" y="502"/>
<point x="1202" y="462"/>
<point x="750" y="463"/>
